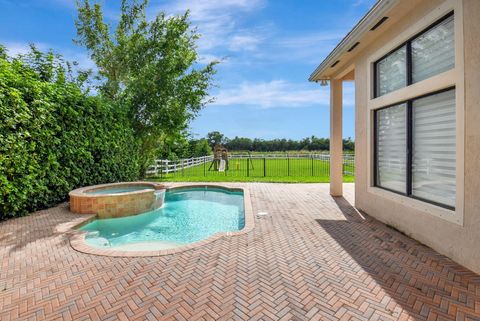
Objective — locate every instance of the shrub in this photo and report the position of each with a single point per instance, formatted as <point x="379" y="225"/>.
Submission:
<point x="55" y="137"/>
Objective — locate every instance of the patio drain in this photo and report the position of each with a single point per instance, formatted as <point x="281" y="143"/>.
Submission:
<point x="262" y="215"/>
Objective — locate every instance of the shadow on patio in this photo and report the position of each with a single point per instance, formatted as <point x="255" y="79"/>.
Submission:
<point x="50" y="225"/>
<point x="425" y="284"/>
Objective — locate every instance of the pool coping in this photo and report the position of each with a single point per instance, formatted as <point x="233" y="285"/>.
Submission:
<point x="78" y="242"/>
<point x="82" y="192"/>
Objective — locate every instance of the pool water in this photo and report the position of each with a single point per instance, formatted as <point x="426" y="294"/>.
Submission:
<point x="117" y="190"/>
<point x="188" y="215"/>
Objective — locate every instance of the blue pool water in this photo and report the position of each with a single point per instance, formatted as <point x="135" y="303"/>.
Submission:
<point x="188" y="215"/>
<point x="123" y="189"/>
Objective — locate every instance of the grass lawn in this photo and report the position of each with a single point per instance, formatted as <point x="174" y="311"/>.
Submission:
<point x="298" y="170"/>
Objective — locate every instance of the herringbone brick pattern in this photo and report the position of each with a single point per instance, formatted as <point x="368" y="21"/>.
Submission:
<point x="314" y="258"/>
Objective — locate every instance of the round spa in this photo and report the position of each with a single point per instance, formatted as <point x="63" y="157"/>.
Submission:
<point x="117" y="199"/>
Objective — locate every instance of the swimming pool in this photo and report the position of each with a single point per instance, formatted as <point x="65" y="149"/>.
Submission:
<point x="188" y="215"/>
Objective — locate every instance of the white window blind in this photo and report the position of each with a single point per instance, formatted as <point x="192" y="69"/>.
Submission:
<point x="434" y="148"/>
<point x="391" y="148"/>
<point x="392" y="72"/>
<point x="433" y="52"/>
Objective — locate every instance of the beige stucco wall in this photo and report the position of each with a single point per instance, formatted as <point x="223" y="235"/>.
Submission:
<point x="459" y="241"/>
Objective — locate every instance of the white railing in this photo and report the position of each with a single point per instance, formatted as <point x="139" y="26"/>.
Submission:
<point x="165" y="166"/>
<point x="348" y="164"/>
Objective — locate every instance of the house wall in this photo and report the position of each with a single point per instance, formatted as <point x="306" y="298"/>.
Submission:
<point x="454" y="234"/>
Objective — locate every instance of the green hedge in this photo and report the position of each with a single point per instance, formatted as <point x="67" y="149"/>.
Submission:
<point x="54" y="138"/>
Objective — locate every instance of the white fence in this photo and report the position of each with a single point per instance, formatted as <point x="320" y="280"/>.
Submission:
<point x="348" y="164"/>
<point x="165" y="166"/>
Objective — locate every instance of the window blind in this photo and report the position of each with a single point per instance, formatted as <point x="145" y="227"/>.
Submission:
<point x="433" y="52"/>
<point x="392" y="72"/>
<point x="391" y="148"/>
<point x="434" y="148"/>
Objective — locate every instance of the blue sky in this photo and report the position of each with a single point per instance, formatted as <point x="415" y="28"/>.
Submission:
<point x="268" y="47"/>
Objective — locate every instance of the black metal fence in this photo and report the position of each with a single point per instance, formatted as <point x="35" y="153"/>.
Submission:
<point x="268" y="165"/>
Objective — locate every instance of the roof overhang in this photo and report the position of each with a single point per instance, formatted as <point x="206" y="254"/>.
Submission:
<point x="343" y="51"/>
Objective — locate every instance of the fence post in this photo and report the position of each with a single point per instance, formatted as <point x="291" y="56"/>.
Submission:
<point x="288" y="165"/>
<point x="264" y="168"/>
<point x="204" y="165"/>
<point x="248" y="166"/>
<point x="312" y="164"/>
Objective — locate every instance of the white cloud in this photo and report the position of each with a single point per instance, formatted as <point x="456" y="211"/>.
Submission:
<point x="216" y="20"/>
<point x="202" y="10"/>
<point x="310" y="40"/>
<point x="207" y="58"/>
<point x="247" y="42"/>
<point x="20" y="48"/>
<point x="277" y="93"/>
<point x="307" y="48"/>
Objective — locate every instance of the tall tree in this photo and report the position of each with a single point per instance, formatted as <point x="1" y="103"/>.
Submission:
<point x="215" y="138"/>
<point x="149" y="66"/>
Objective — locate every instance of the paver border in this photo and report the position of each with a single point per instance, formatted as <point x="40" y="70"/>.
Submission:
<point x="78" y="242"/>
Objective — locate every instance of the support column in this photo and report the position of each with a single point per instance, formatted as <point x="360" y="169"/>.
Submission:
<point x="336" y="142"/>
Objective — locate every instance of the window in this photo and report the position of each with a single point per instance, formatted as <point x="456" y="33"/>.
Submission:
<point x="434" y="148"/>
<point x="391" y="144"/>
<point x="425" y="126"/>
<point x="425" y="55"/>
<point x="392" y="72"/>
<point x="433" y="52"/>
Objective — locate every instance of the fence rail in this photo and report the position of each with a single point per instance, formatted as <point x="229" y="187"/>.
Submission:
<point x="165" y="166"/>
<point x="253" y="165"/>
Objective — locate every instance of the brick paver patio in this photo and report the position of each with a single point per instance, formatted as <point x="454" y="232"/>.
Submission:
<point x="314" y="258"/>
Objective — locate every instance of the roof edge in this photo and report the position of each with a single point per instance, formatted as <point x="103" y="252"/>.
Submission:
<point x="378" y="10"/>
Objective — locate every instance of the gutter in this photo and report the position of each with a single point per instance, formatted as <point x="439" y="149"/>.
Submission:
<point x="377" y="12"/>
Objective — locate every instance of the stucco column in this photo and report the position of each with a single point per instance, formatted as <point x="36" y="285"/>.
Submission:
<point x="336" y="143"/>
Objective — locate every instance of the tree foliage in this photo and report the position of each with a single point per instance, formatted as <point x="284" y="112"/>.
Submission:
<point x="216" y="138"/>
<point x="200" y="148"/>
<point x="54" y="137"/>
<point x="312" y="143"/>
<point x="56" y="134"/>
<point x="149" y="66"/>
